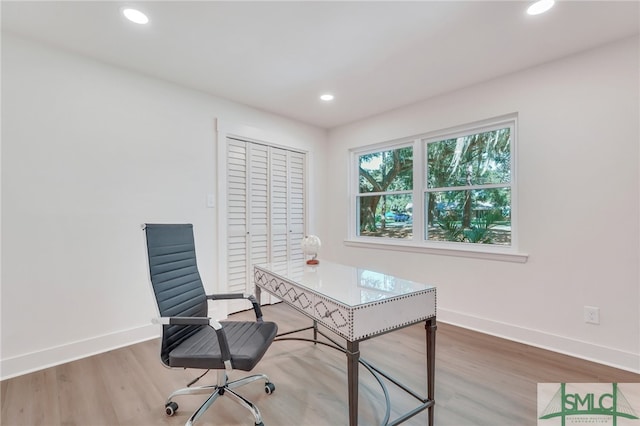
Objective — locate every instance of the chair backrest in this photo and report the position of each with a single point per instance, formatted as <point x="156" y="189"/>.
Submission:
<point x="175" y="280"/>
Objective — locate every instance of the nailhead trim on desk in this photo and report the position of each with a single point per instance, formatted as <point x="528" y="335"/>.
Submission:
<point x="336" y="316"/>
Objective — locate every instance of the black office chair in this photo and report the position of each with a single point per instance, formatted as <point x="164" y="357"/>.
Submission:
<point x="190" y="339"/>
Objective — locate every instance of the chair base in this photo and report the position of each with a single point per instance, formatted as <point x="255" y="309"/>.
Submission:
<point x="223" y="387"/>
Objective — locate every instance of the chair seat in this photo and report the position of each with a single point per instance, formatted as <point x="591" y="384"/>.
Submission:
<point x="248" y="342"/>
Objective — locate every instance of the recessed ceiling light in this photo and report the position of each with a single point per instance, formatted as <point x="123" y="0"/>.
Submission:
<point x="327" y="97"/>
<point x="540" y="6"/>
<point x="135" y="15"/>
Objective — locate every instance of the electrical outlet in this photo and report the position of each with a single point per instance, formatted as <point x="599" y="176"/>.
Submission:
<point x="591" y="315"/>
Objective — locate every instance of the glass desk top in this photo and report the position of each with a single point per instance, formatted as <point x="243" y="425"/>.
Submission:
<point x="351" y="286"/>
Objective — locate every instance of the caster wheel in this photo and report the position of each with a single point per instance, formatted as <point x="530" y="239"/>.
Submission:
<point x="269" y="388"/>
<point x="170" y="408"/>
<point x="259" y="424"/>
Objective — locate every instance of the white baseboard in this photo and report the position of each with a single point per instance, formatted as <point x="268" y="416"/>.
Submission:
<point x="34" y="361"/>
<point x="584" y="350"/>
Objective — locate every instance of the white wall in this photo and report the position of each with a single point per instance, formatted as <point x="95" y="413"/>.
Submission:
<point x="90" y="152"/>
<point x="578" y="198"/>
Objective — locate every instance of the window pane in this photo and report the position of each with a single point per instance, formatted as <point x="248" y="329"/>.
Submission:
<point x="386" y="171"/>
<point x="473" y="216"/>
<point x="389" y="216"/>
<point x="482" y="158"/>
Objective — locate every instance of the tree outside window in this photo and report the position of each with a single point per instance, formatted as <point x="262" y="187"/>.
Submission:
<point x="385" y="200"/>
<point x="468" y="196"/>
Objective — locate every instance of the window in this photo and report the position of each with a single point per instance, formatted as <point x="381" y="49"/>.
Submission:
<point x="468" y="188"/>
<point x="385" y="193"/>
<point x="463" y="178"/>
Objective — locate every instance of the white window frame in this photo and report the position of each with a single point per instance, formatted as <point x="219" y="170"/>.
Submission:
<point x="418" y="243"/>
<point x="358" y="194"/>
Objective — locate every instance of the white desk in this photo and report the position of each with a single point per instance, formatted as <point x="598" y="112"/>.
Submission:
<point x="356" y="304"/>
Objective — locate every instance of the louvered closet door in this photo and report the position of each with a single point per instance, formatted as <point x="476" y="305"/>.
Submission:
<point x="265" y="210"/>
<point x="296" y="204"/>
<point x="279" y="205"/>
<point x="258" y="208"/>
<point x="237" y="216"/>
<point x="287" y="204"/>
<point x="247" y="214"/>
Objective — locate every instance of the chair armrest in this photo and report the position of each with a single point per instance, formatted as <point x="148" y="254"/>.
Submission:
<point x="222" y="337"/>
<point x="249" y="297"/>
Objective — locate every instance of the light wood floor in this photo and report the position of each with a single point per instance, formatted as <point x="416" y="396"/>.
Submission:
<point x="480" y="380"/>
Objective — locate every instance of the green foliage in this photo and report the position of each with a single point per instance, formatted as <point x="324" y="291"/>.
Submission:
<point x="470" y="160"/>
<point x="383" y="172"/>
<point x="452" y="228"/>
<point x="479" y="232"/>
<point x="386" y="171"/>
<point x="477" y="235"/>
<point x="461" y="210"/>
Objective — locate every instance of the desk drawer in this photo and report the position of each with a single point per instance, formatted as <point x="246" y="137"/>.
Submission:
<point x="296" y="296"/>
<point x="333" y="316"/>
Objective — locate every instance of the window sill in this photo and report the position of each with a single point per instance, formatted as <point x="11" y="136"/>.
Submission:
<point x="487" y="254"/>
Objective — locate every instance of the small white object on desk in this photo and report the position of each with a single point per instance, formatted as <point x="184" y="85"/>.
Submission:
<point x="310" y="247"/>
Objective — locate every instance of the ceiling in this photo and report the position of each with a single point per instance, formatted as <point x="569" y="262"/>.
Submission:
<point x="279" y="57"/>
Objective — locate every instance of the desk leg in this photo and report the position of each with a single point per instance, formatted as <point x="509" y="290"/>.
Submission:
<point x="258" y="294"/>
<point x="431" y="327"/>
<point x="353" y="360"/>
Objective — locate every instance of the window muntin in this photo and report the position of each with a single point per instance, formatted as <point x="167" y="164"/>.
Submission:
<point x="385" y="193"/>
<point x="464" y="184"/>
